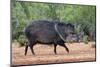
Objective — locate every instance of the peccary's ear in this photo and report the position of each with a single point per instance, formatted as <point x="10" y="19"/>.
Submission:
<point x="61" y="24"/>
<point x="70" y="25"/>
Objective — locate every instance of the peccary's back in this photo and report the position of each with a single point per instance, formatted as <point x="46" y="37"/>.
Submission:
<point x="43" y="31"/>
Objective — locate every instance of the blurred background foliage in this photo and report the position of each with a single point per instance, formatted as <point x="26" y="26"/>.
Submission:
<point x="82" y="16"/>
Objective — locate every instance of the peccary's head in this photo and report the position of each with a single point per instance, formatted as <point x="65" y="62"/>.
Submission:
<point x="70" y="32"/>
<point x="73" y="38"/>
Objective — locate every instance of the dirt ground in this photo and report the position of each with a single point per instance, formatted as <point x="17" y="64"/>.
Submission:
<point x="45" y="55"/>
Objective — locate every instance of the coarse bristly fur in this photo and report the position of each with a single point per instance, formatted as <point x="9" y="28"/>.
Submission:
<point x="44" y="32"/>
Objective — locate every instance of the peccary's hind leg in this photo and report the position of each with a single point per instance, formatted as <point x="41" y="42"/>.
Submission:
<point x="55" y="45"/>
<point x="26" y="48"/>
<point x="31" y="47"/>
<point x="29" y="44"/>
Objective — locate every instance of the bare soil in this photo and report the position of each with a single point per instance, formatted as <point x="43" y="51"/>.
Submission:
<point x="45" y="55"/>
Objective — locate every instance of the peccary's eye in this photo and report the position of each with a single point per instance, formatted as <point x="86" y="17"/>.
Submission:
<point x="72" y="33"/>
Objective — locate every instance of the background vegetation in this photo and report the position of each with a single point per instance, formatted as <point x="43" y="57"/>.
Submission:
<point x="82" y="16"/>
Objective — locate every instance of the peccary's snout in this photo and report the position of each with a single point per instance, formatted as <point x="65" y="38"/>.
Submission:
<point x="73" y="38"/>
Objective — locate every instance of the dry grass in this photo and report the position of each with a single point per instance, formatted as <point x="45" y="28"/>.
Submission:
<point x="45" y="54"/>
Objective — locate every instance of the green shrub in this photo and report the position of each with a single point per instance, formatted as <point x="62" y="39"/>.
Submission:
<point x="85" y="39"/>
<point x="22" y="39"/>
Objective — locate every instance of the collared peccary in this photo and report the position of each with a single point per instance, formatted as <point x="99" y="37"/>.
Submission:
<point x="47" y="32"/>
